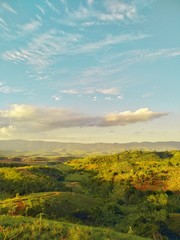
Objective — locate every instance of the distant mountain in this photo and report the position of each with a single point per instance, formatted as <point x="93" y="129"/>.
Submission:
<point x="55" y="148"/>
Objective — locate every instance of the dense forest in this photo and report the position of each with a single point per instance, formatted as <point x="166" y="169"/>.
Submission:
<point x="132" y="195"/>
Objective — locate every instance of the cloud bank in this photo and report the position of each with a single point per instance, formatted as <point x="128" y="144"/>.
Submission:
<point x="32" y="119"/>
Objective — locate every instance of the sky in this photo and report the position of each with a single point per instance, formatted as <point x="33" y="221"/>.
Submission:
<point x="90" y="70"/>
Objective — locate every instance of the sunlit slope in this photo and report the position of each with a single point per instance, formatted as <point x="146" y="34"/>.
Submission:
<point x="144" y="170"/>
<point x="30" y="228"/>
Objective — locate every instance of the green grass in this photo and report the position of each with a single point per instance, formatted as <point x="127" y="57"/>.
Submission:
<point x="30" y="229"/>
<point x="29" y="179"/>
<point x="53" y="204"/>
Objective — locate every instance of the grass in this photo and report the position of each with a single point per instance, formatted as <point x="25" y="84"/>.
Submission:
<point x="18" y="227"/>
<point x="53" y="204"/>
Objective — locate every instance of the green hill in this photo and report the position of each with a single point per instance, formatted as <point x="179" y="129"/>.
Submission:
<point x="55" y="205"/>
<point x="117" y="196"/>
<point x="30" y="228"/>
<point x="29" y="179"/>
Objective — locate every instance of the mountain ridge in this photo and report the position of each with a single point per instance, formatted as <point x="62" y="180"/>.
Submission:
<point x="22" y="146"/>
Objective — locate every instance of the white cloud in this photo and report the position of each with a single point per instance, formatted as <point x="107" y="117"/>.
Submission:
<point x="128" y="117"/>
<point x="31" y="119"/>
<point x="19" y="112"/>
<point x="108" y="98"/>
<point x="120" y="97"/>
<point x="87" y="91"/>
<point x="30" y="26"/>
<point x="70" y="91"/>
<point x="56" y="98"/>
<point x="117" y="11"/>
<point x="175" y="53"/>
<point x="105" y="11"/>
<point x="111" y="91"/>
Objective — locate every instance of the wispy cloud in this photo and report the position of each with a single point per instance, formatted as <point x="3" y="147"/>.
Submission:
<point x="91" y="12"/>
<point x="29" y="56"/>
<point x="41" y="9"/>
<point x="42" y="50"/>
<point x="8" y="90"/>
<point x="31" y="26"/>
<point x="3" y="24"/>
<point x="105" y="11"/>
<point x="26" y="118"/>
<point x="117" y="11"/>
<point x="7" y="7"/>
<point x="146" y="54"/>
<point x="110" y="91"/>
<point x="110" y="41"/>
<point x="51" y="6"/>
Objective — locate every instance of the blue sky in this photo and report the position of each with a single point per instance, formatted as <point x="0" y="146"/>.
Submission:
<point x="90" y="70"/>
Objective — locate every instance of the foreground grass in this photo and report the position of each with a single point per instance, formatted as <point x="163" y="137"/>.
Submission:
<point x="26" y="228"/>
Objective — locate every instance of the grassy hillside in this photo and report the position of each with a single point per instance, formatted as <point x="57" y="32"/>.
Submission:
<point x="29" y="179"/>
<point x="30" y="228"/>
<point x="143" y="170"/>
<point x="119" y="196"/>
<point x="140" y="189"/>
<point x="54" y="205"/>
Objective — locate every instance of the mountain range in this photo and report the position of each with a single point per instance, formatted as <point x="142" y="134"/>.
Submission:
<point x="62" y="148"/>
